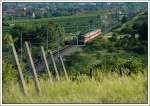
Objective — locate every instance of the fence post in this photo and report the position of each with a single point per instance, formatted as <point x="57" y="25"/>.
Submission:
<point x="54" y="64"/>
<point x="66" y="75"/>
<point x="19" y="69"/>
<point x="33" y="69"/>
<point x="46" y="64"/>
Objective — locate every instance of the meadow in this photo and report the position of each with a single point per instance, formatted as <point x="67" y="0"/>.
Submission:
<point x="108" y="88"/>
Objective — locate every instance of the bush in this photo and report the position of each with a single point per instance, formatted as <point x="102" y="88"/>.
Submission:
<point x="111" y="49"/>
<point x="124" y="19"/>
<point x="9" y="73"/>
<point x="78" y="62"/>
<point x="121" y="65"/>
<point x="134" y="65"/>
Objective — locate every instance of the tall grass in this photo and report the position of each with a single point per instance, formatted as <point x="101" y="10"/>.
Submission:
<point x="110" y="89"/>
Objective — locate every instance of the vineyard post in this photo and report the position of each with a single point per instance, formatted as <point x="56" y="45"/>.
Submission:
<point x="33" y="69"/>
<point x="46" y="64"/>
<point x="54" y="64"/>
<point x="91" y="72"/>
<point x="66" y="75"/>
<point x="19" y="69"/>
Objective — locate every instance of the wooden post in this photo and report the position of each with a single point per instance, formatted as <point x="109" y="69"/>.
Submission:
<point x="66" y="75"/>
<point x="54" y="64"/>
<point x="33" y="69"/>
<point x="91" y="72"/>
<point x="19" y="69"/>
<point x="46" y="64"/>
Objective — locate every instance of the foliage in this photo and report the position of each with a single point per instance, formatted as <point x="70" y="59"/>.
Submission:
<point x="9" y="73"/>
<point x="125" y="37"/>
<point x="137" y="25"/>
<point x="143" y="31"/>
<point x="7" y="39"/>
<point x="124" y="19"/>
<point x="98" y="44"/>
<point x="38" y="34"/>
<point x="134" y="64"/>
<point x="79" y="63"/>
<point x="121" y="65"/>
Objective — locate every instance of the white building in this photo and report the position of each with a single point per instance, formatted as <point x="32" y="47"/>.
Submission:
<point x="33" y="15"/>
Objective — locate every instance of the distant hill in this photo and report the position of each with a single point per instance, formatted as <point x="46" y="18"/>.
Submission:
<point x="137" y="25"/>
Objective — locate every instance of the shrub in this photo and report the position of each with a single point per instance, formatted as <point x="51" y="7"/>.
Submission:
<point x="9" y="73"/>
<point x="134" y="65"/>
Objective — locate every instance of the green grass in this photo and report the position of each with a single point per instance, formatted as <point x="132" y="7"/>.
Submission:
<point x="110" y="88"/>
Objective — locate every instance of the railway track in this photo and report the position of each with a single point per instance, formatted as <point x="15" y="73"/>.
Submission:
<point x="68" y="46"/>
<point x="68" y="49"/>
<point x="61" y="50"/>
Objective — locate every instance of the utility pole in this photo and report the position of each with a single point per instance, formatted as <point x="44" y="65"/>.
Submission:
<point x="12" y="20"/>
<point x="77" y="36"/>
<point x="47" y="39"/>
<point x="21" y="45"/>
<point x="97" y="22"/>
<point x="89" y="29"/>
<point x="58" y="44"/>
<point x="100" y="25"/>
<point x="118" y="14"/>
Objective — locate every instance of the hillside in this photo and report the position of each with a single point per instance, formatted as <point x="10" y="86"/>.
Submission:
<point x="116" y="47"/>
<point x="133" y="26"/>
<point x="113" y="68"/>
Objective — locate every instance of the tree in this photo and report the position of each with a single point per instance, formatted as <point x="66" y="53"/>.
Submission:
<point x="7" y="39"/>
<point x="91" y="21"/>
<point x="9" y="73"/>
<point x="124" y="19"/>
<point x="143" y="31"/>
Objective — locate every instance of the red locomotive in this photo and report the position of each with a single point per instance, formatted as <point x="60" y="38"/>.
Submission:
<point x="89" y="36"/>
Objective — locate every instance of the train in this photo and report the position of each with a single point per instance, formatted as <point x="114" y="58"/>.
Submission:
<point x="89" y="36"/>
<point x="84" y="38"/>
